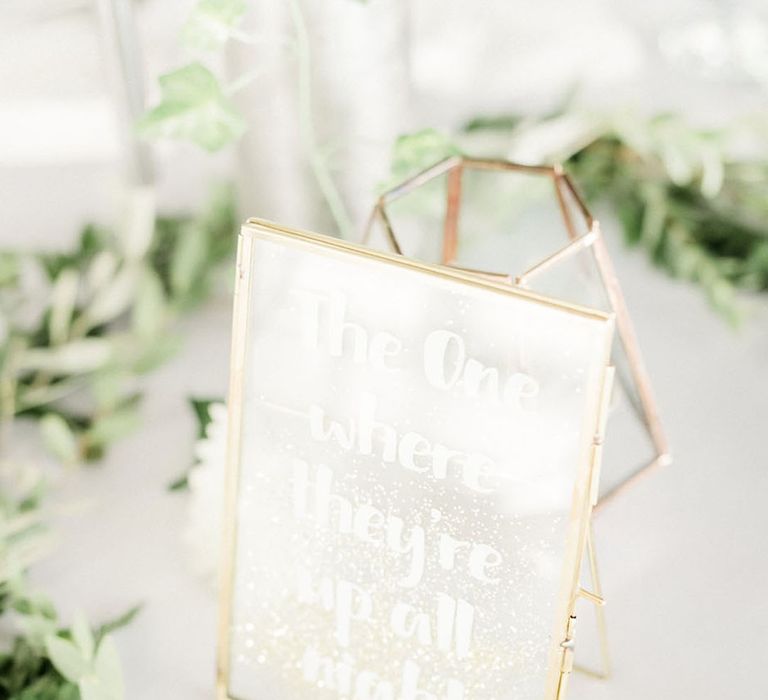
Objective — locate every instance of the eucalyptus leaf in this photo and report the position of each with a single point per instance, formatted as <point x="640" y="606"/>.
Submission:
<point x="677" y="162"/>
<point x="63" y="299"/>
<point x="36" y="628"/>
<point x="117" y="623"/>
<point x="155" y="353"/>
<point x="67" y="658"/>
<point x="35" y="397"/>
<point x="189" y="258"/>
<point x="107" y="386"/>
<point x="194" y="108"/>
<point x="654" y="218"/>
<point x="114" y="426"/>
<point x="114" y="298"/>
<point x="149" y="309"/>
<point x="31" y="604"/>
<point x="138" y="222"/>
<point x="77" y="356"/>
<point x="713" y="174"/>
<point x="180" y="483"/>
<point x="68" y="691"/>
<point x="9" y="269"/>
<point x="100" y="271"/>
<point x="108" y="670"/>
<point x="82" y="635"/>
<point x="58" y="438"/>
<point x="92" y="687"/>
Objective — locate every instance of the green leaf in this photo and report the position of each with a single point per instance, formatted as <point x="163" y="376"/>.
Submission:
<point x="36" y="628"/>
<point x="9" y="269"/>
<point x="193" y="108"/>
<point x="654" y="218"/>
<point x="118" y="623"/>
<point x="68" y="691"/>
<point x="180" y="483"/>
<point x="35" y="605"/>
<point x="100" y="271"/>
<point x="417" y="151"/>
<point x="83" y="636"/>
<point x="155" y="353"/>
<point x="76" y="357"/>
<point x="114" y="426"/>
<point x="58" y="438"/>
<point x="63" y="298"/>
<point x="67" y="658"/>
<point x="498" y="122"/>
<point x="713" y="171"/>
<point x="105" y="680"/>
<point x="137" y="225"/>
<point x="149" y="310"/>
<point x="108" y="386"/>
<point x="114" y="298"/>
<point x="212" y="23"/>
<point x="189" y="258"/>
<point x="202" y="410"/>
<point x="108" y="669"/>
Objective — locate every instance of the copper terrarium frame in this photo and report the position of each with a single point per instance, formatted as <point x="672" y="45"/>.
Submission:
<point x="583" y="233"/>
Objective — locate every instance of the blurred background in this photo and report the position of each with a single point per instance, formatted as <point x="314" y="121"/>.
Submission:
<point x="135" y="136"/>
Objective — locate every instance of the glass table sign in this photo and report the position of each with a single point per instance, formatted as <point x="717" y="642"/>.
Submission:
<point x="410" y="477"/>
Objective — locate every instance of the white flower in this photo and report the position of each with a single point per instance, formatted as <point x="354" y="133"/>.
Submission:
<point x="203" y="533"/>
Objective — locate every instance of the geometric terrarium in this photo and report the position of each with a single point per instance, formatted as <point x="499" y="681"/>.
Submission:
<point x="529" y="226"/>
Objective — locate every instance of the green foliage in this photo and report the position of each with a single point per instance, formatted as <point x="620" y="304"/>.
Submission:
<point x="101" y="318"/>
<point x="45" y="661"/>
<point x="202" y="411"/>
<point x="59" y="438"/>
<point x="415" y="152"/>
<point x="180" y="483"/>
<point x="93" y="668"/>
<point x="212" y="23"/>
<point x="26" y="673"/>
<point x="23" y="534"/>
<point x="193" y="107"/>
<point x="699" y="213"/>
<point x="118" y="623"/>
<point x="196" y="107"/>
<point x="71" y="664"/>
<point x="500" y="122"/>
<point x="685" y="202"/>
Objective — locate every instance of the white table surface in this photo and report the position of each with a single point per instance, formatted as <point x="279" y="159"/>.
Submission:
<point x="683" y="555"/>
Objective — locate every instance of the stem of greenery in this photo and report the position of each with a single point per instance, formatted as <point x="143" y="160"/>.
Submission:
<point x="317" y="160"/>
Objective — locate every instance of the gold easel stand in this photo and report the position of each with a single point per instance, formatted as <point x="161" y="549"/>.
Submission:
<point x="583" y="234"/>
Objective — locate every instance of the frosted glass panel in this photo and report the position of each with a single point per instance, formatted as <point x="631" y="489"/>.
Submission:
<point x="413" y="469"/>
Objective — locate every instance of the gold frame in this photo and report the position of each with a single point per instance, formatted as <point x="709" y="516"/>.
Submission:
<point x="578" y="536"/>
<point x="571" y="206"/>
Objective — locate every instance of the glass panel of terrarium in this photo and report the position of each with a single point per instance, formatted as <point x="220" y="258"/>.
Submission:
<point x="509" y="220"/>
<point x="417" y="219"/>
<point x="628" y="444"/>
